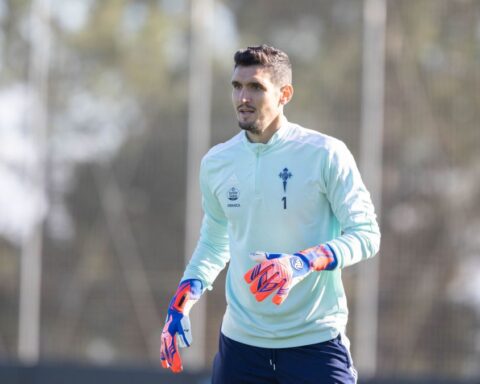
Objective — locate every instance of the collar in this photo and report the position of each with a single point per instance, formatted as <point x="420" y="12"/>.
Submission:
<point x="277" y="138"/>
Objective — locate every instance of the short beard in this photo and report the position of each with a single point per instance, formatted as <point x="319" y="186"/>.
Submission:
<point x="250" y="127"/>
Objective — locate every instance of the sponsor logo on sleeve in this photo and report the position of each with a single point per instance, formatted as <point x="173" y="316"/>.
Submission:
<point x="233" y="194"/>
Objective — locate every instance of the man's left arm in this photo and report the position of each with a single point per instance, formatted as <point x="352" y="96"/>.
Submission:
<point x="352" y="205"/>
<point x="360" y="239"/>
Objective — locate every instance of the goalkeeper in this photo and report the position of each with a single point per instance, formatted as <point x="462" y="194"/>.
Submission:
<point x="287" y="208"/>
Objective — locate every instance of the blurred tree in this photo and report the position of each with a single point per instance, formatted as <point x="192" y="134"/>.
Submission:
<point x="431" y="187"/>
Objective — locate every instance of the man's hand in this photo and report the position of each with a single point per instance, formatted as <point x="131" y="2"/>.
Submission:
<point x="176" y="331"/>
<point x="279" y="272"/>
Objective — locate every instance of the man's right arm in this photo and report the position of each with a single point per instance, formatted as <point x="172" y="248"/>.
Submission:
<point x="209" y="258"/>
<point x="212" y="251"/>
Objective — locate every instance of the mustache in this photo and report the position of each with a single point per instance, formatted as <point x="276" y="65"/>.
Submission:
<point x="245" y="106"/>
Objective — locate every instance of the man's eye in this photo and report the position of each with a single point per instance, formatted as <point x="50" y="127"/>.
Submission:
<point x="236" y="86"/>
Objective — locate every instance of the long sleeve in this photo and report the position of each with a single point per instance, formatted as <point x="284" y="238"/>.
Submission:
<point x="212" y="251"/>
<point x="353" y="207"/>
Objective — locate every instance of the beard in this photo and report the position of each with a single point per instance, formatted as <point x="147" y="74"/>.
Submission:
<point x="250" y="127"/>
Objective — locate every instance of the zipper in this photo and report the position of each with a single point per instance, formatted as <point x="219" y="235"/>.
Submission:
<point x="257" y="171"/>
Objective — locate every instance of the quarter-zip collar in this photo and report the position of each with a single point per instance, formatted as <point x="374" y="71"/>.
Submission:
<point x="277" y="138"/>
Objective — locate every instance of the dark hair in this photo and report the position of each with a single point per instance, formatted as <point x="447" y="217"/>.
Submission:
<point x="266" y="56"/>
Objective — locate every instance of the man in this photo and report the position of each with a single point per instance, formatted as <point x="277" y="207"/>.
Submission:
<point x="287" y="208"/>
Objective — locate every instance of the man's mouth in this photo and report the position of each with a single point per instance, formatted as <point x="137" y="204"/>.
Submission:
<point x="245" y="111"/>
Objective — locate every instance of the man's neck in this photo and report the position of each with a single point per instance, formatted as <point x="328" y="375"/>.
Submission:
<point x="265" y="135"/>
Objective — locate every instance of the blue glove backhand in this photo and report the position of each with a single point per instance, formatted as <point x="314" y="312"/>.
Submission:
<point x="177" y="324"/>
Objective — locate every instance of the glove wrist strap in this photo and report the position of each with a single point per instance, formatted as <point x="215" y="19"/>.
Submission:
<point x="321" y="257"/>
<point x="188" y="293"/>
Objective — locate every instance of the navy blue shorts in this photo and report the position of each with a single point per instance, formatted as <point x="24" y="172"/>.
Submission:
<point x="326" y="363"/>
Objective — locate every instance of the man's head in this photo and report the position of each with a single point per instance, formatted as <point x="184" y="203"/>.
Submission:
<point x="275" y="60"/>
<point x="261" y="87"/>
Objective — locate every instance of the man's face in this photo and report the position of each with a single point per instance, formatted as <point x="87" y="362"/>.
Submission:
<point x="256" y="99"/>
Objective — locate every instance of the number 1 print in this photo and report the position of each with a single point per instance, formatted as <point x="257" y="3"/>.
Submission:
<point x="284" y="199"/>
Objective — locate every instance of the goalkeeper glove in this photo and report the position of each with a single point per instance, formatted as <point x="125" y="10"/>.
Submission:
<point x="177" y="324"/>
<point x="279" y="272"/>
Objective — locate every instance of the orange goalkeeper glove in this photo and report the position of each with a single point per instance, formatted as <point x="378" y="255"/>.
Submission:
<point x="279" y="272"/>
<point x="177" y="324"/>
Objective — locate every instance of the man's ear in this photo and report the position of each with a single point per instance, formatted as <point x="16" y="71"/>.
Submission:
<point x="286" y="94"/>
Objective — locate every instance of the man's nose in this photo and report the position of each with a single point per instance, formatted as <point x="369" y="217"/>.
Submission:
<point x="244" y="98"/>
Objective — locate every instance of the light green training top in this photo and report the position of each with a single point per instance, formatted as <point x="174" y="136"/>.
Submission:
<point x="300" y="189"/>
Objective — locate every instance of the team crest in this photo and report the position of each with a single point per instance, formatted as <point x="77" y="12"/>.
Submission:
<point x="285" y="175"/>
